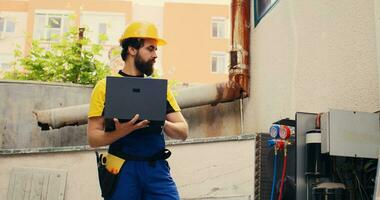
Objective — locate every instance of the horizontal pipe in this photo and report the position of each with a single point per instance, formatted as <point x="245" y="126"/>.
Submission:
<point x="208" y="94"/>
<point x="60" y="117"/>
<point x="186" y="97"/>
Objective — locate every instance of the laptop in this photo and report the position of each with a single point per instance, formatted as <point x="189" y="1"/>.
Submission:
<point x="128" y="96"/>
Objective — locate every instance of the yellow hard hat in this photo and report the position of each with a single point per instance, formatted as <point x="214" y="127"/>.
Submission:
<point x="142" y="30"/>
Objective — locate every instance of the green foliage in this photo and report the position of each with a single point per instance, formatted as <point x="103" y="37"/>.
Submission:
<point x="67" y="59"/>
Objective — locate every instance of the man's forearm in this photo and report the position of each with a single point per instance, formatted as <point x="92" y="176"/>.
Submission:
<point x="176" y="130"/>
<point x="98" y="138"/>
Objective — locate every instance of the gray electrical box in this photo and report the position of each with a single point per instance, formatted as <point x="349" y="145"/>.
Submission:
<point x="350" y="133"/>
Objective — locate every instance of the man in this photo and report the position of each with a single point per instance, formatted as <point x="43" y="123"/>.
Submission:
<point x="145" y="173"/>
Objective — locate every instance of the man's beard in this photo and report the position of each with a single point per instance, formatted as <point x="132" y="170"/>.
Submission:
<point x="145" y="67"/>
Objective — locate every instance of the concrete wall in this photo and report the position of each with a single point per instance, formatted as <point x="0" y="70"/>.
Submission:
<point x="311" y="56"/>
<point x="213" y="121"/>
<point x="18" y="126"/>
<point x="221" y="169"/>
<point x="19" y="130"/>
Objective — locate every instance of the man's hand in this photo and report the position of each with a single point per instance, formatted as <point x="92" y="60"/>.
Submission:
<point x="128" y="127"/>
<point x="97" y="137"/>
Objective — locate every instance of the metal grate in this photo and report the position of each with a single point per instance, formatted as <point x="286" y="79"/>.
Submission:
<point x="263" y="181"/>
<point x="264" y="169"/>
<point x="37" y="184"/>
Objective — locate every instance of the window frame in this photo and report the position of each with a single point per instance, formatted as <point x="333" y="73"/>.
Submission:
<point x="95" y="29"/>
<point x="65" y="22"/>
<point x="258" y="16"/>
<point x="219" y="54"/>
<point x="4" y="27"/>
<point x="224" y="20"/>
<point x="6" y="57"/>
<point x="106" y="29"/>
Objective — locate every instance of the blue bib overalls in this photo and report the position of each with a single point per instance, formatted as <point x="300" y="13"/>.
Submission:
<point x="143" y="180"/>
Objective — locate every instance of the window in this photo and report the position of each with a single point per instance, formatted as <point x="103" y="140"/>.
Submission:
<point x="48" y="24"/>
<point x="102" y="30"/>
<point x="219" y="27"/>
<point x="7" y="25"/>
<point x="99" y="24"/>
<point x="219" y="62"/>
<point x="5" y="62"/>
<point x="262" y="7"/>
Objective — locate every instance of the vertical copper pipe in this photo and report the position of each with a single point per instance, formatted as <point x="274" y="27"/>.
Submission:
<point x="240" y="23"/>
<point x="80" y="36"/>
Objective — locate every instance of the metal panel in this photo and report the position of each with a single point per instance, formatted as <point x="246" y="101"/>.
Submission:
<point x="325" y="145"/>
<point x="36" y="184"/>
<point x="305" y="122"/>
<point x="354" y="134"/>
<point x="376" y="194"/>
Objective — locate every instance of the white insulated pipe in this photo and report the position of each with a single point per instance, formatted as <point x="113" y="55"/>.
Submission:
<point x="186" y="98"/>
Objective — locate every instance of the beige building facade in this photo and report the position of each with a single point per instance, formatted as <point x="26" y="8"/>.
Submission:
<point x="43" y="18"/>
<point x="198" y="45"/>
<point x="199" y="42"/>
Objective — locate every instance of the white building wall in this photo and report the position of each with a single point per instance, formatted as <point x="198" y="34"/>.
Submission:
<point x="115" y="25"/>
<point x="377" y="19"/>
<point x="310" y="56"/>
<point x="8" y="41"/>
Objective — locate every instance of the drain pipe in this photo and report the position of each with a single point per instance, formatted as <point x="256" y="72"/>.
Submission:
<point x="240" y="22"/>
<point x="237" y="86"/>
<point x="239" y="68"/>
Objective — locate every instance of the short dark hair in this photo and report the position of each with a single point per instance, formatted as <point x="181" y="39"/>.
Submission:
<point x="136" y="43"/>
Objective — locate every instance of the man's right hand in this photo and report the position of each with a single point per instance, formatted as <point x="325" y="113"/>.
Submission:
<point x="97" y="137"/>
<point x="130" y="126"/>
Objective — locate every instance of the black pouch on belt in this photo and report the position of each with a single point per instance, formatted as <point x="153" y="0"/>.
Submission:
<point x="108" y="171"/>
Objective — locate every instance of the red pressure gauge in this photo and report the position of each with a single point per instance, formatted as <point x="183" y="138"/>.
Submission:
<point x="284" y="132"/>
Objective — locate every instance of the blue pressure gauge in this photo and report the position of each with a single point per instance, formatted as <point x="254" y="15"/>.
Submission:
<point x="274" y="131"/>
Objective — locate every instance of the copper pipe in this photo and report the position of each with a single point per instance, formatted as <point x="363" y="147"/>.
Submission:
<point x="240" y="23"/>
<point x="80" y="36"/>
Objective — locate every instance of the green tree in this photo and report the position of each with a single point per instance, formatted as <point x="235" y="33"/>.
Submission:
<point x="68" y="59"/>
